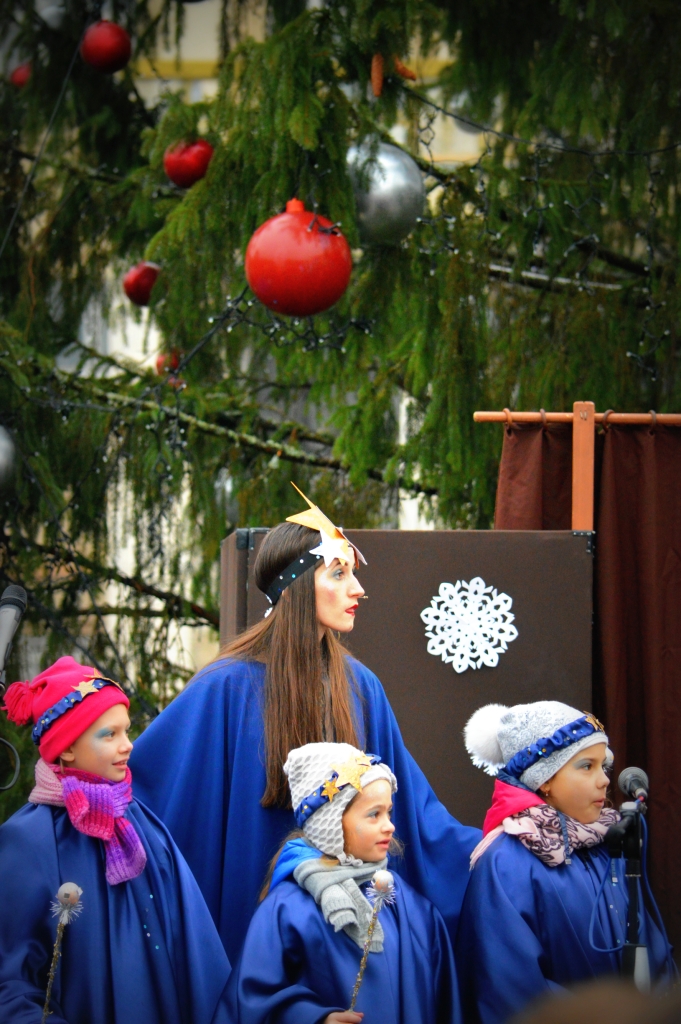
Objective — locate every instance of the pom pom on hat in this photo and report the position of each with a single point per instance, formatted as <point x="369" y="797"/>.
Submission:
<point x="481" y="736"/>
<point x="19" y="703"/>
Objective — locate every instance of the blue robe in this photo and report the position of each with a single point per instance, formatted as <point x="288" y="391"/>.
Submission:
<point x="141" y="951"/>
<point x="294" y="969"/>
<point x="524" y="929"/>
<point x="201" y="767"/>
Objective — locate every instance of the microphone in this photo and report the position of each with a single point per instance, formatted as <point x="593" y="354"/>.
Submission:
<point x="634" y="782"/>
<point x="12" y="607"/>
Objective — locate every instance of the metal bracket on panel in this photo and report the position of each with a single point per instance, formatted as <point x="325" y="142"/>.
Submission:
<point x="252" y="532"/>
<point x="242" y="538"/>
<point x="590" y="539"/>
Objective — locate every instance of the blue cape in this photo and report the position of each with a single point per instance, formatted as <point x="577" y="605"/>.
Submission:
<point x="524" y="928"/>
<point x="296" y="852"/>
<point x="201" y="767"/>
<point x="310" y="970"/>
<point x="143" y="950"/>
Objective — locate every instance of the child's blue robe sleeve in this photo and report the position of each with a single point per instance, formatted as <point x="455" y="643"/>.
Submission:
<point x="145" y="949"/>
<point x="294" y="969"/>
<point x="524" y="929"/>
<point x="201" y="767"/>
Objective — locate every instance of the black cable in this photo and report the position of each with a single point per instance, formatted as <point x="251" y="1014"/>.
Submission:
<point x="559" y="147"/>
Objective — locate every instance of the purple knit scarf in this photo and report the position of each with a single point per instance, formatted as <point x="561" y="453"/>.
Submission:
<point x="96" y="807"/>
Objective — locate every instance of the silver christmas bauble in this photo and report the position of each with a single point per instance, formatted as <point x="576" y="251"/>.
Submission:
<point x="6" y="454"/>
<point x="389" y="193"/>
<point x="53" y="14"/>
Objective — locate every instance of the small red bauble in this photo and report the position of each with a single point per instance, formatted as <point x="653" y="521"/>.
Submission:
<point x="21" y="75"/>
<point x="187" y="162"/>
<point x="167" y="361"/>
<point x="298" y="263"/>
<point x="106" y="47"/>
<point x="139" y="281"/>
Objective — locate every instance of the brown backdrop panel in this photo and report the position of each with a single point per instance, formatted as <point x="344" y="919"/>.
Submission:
<point x="548" y="575"/>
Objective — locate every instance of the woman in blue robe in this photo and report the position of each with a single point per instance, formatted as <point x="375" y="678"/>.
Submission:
<point x="546" y="906"/>
<point x="285" y="682"/>
<point x="300" y="960"/>
<point x="144" y="947"/>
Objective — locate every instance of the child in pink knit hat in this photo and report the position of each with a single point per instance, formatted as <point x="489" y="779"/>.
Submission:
<point x="145" y="947"/>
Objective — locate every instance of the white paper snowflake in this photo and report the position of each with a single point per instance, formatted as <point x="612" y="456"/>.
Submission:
<point x="469" y="625"/>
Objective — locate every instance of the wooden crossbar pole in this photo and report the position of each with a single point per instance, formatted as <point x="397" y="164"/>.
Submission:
<point x="670" y="419"/>
<point x="583" y="419"/>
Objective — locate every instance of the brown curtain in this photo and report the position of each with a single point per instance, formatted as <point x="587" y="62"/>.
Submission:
<point x="637" y="635"/>
<point x="535" y="478"/>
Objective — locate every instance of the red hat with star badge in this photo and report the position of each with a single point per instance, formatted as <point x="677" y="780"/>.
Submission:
<point x="63" y="701"/>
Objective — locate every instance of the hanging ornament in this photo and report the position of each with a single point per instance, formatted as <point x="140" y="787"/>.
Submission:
<point x="106" y="46"/>
<point x="167" y="362"/>
<point x="7" y="451"/>
<point x="187" y="162"/>
<point x="139" y="281"/>
<point x="298" y="263"/>
<point x="21" y="75"/>
<point x="52" y="13"/>
<point x="389" y="193"/>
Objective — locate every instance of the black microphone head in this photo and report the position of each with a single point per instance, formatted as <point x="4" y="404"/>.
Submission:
<point x="632" y="779"/>
<point x="14" y="595"/>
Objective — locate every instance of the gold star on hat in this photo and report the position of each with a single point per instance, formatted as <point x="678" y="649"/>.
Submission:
<point x="350" y="772"/>
<point x="592" y="720"/>
<point x="85" y="687"/>
<point x="330" y="789"/>
<point x="334" y="542"/>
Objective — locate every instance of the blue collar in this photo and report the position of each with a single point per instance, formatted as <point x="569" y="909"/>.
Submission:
<point x="295" y="852"/>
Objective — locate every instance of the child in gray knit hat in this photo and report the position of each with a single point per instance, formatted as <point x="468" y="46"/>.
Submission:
<point x="305" y="942"/>
<point x="545" y="906"/>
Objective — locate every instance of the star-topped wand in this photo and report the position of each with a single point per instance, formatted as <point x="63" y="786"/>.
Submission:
<point x="379" y="893"/>
<point x="67" y="906"/>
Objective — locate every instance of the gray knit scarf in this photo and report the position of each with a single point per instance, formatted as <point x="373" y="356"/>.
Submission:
<point x="336" y="891"/>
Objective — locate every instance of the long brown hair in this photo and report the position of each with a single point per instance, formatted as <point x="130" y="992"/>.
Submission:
<point x="288" y="642"/>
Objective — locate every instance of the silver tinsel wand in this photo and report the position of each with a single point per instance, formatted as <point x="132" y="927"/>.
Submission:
<point x="67" y="906"/>
<point x="379" y="893"/>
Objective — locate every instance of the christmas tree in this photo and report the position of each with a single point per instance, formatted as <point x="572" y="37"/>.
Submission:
<point x="543" y="272"/>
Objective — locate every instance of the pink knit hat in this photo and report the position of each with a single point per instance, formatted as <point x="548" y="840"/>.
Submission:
<point x="63" y="702"/>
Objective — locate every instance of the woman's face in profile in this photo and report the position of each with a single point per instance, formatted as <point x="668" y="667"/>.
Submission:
<point x="337" y="593"/>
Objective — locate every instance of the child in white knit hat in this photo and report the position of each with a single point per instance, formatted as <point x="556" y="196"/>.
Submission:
<point x="305" y="942"/>
<point x="545" y="906"/>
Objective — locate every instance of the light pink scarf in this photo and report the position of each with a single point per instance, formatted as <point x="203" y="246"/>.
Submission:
<point x="539" y="830"/>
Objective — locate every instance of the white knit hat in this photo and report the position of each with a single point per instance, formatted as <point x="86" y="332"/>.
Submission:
<point x="323" y="779"/>
<point x="531" y="742"/>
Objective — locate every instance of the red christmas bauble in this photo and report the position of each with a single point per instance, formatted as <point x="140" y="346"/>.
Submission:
<point x="187" y="162"/>
<point x="21" y="75"/>
<point x="106" y="46"/>
<point x="139" y="281"/>
<point x="167" y="361"/>
<point x="298" y="263"/>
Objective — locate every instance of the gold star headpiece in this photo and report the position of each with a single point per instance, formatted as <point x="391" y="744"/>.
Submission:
<point x="350" y="772"/>
<point x="87" y="686"/>
<point x="334" y="543"/>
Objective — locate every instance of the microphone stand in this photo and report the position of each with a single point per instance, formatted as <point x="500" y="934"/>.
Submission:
<point x="625" y="839"/>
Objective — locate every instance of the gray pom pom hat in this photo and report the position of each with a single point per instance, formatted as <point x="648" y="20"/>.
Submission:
<point x="529" y="743"/>
<point x="324" y="778"/>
